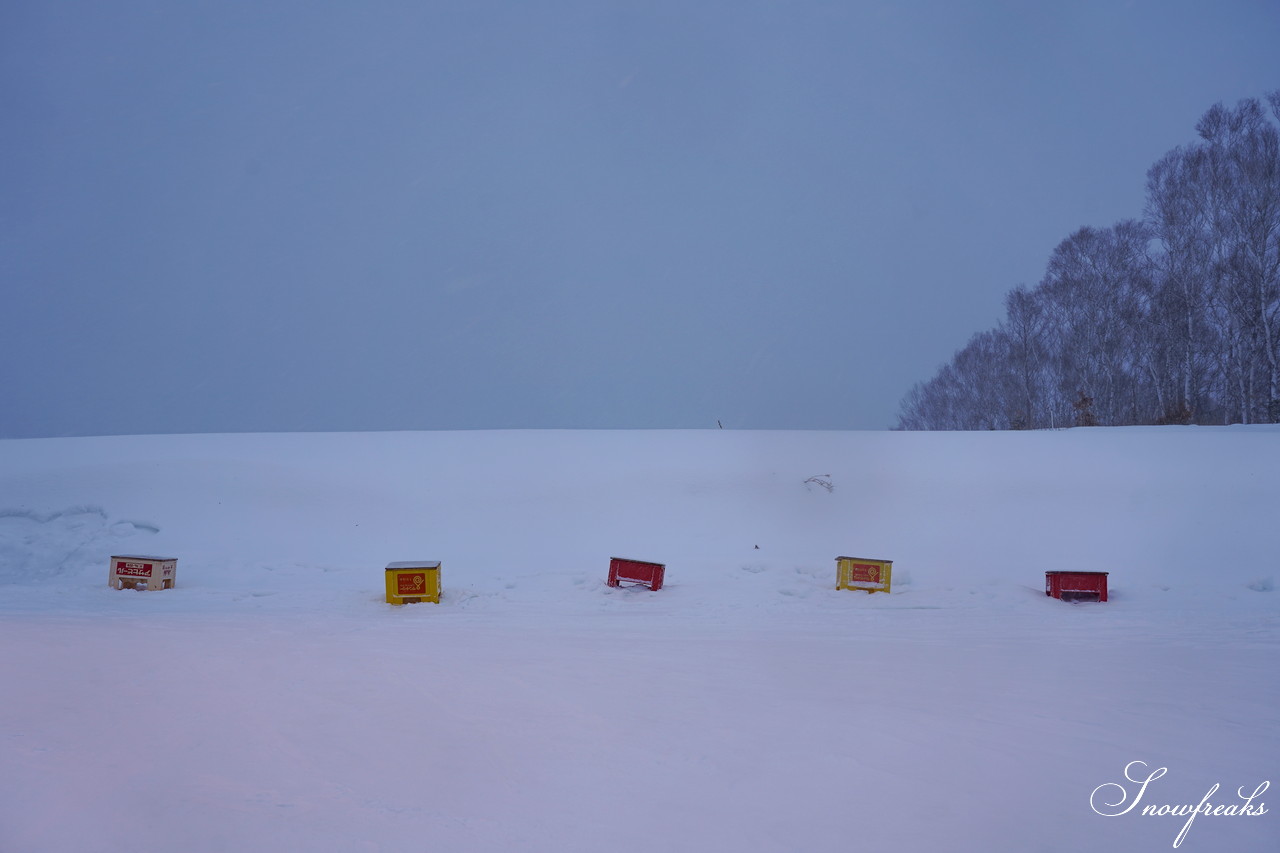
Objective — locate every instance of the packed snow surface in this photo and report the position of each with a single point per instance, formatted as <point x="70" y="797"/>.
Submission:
<point x="274" y="701"/>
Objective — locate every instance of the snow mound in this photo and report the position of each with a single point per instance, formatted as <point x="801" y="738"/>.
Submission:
<point x="36" y="547"/>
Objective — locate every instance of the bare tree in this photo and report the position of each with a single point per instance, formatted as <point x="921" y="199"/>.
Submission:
<point x="1093" y="298"/>
<point x="1184" y="280"/>
<point x="1172" y="319"/>
<point x="1243" y="190"/>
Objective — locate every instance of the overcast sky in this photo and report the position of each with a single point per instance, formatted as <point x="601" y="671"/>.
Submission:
<point x="278" y="215"/>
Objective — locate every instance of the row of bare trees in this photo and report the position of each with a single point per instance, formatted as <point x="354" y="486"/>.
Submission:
<point x="1174" y="318"/>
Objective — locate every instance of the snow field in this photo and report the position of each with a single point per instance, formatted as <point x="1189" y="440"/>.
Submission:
<point x="275" y="701"/>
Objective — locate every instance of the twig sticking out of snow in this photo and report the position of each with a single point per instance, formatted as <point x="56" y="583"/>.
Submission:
<point x="823" y="480"/>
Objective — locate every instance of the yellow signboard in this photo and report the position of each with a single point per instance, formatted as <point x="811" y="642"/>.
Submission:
<point x="413" y="582"/>
<point x="864" y="574"/>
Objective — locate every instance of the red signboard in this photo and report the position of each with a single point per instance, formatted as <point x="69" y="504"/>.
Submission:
<point x="636" y="571"/>
<point x="864" y="573"/>
<point x="1076" y="586"/>
<point x="411" y="584"/>
<point x="135" y="570"/>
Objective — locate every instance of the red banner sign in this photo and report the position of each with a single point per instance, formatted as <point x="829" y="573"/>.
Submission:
<point x="864" y="573"/>
<point x="135" y="570"/>
<point x="411" y="584"/>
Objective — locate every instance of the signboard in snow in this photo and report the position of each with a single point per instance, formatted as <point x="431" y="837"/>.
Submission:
<point x="135" y="570"/>
<point x="413" y="581"/>
<point x="864" y="574"/>
<point x="636" y="571"/>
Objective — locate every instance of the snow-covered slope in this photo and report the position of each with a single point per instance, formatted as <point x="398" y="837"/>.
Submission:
<point x="274" y="701"/>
